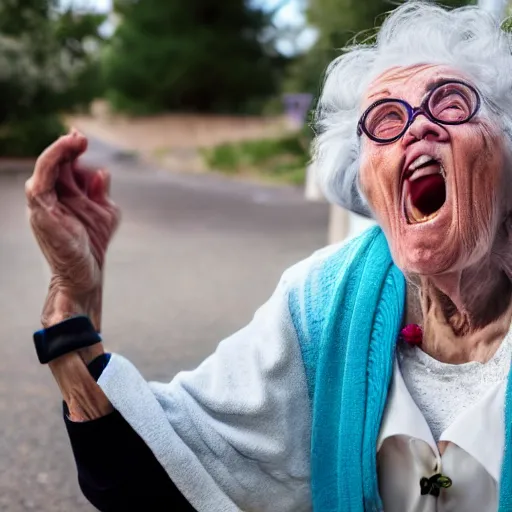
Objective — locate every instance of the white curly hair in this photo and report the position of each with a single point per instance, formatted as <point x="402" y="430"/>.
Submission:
<point x="468" y="39"/>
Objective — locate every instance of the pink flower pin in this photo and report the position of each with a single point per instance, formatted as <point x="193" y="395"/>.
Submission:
<point x="412" y="334"/>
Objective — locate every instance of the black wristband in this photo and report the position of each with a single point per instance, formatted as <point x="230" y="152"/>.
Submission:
<point x="67" y="336"/>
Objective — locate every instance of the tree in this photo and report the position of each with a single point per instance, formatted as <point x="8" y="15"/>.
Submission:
<point x="340" y="22"/>
<point x="43" y="71"/>
<point x="197" y="55"/>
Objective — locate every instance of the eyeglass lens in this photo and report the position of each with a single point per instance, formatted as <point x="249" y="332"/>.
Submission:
<point x="451" y="103"/>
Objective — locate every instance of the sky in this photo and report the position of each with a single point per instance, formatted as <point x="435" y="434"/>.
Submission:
<point x="289" y="15"/>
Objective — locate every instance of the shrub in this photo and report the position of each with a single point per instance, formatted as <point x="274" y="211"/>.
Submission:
<point x="284" y="159"/>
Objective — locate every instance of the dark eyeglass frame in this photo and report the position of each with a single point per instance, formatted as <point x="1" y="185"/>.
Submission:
<point x="413" y="112"/>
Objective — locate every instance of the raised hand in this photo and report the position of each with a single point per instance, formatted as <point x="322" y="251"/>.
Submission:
<point x="73" y="220"/>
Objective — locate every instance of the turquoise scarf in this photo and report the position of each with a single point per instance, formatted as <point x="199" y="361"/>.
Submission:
<point x="358" y="297"/>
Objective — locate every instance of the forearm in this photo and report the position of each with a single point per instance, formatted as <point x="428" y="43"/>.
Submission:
<point x="84" y="398"/>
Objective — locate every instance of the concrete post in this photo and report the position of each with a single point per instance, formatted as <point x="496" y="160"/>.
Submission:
<point x="344" y="224"/>
<point x="312" y="190"/>
<point x="339" y="224"/>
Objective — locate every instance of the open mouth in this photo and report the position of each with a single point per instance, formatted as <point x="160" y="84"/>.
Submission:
<point x="424" y="189"/>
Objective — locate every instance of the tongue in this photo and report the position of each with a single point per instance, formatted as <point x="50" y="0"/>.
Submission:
<point x="428" y="193"/>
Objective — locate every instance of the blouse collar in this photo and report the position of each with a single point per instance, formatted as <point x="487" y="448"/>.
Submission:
<point x="479" y="430"/>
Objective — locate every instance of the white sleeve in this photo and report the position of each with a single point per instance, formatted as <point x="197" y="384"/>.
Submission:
<point x="234" y="434"/>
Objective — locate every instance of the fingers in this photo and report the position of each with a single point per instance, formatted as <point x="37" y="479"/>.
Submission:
<point x="77" y="181"/>
<point x="100" y="188"/>
<point x="66" y="184"/>
<point x="86" y="193"/>
<point x="47" y="167"/>
<point x="84" y="190"/>
<point x="108" y="181"/>
<point x="95" y="184"/>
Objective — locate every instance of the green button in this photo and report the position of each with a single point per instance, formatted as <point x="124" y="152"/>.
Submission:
<point x="444" y="481"/>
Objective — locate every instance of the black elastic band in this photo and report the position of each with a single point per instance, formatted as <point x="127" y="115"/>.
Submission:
<point x="67" y="336"/>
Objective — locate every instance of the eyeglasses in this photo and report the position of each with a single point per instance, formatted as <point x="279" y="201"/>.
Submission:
<point x="451" y="102"/>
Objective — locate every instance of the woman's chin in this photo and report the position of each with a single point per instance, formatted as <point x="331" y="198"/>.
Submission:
<point x="425" y="266"/>
<point x="426" y="246"/>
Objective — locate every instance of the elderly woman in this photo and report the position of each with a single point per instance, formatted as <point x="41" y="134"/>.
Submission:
<point x="376" y="376"/>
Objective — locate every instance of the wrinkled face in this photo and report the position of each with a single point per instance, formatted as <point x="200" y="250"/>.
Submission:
<point x="436" y="190"/>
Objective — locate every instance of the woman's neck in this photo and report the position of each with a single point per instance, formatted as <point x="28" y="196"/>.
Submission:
<point x="464" y="315"/>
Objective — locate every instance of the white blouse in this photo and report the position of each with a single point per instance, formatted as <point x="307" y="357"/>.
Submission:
<point x="407" y="452"/>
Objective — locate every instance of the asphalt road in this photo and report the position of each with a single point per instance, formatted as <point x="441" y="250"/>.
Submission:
<point x="193" y="259"/>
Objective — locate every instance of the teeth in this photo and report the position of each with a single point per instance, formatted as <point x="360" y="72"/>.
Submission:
<point x="413" y="213"/>
<point x="421" y="160"/>
<point x="427" y="171"/>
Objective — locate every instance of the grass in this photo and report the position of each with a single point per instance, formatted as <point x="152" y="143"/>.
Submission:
<point x="281" y="160"/>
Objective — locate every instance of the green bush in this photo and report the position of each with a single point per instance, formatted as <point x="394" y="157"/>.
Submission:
<point x="283" y="159"/>
<point x="225" y="157"/>
<point x="30" y="136"/>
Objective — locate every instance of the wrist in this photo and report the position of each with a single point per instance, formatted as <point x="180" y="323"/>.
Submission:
<point x="62" y="303"/>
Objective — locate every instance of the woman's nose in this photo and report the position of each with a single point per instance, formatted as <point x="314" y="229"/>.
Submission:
<point x="422" y="128"/>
